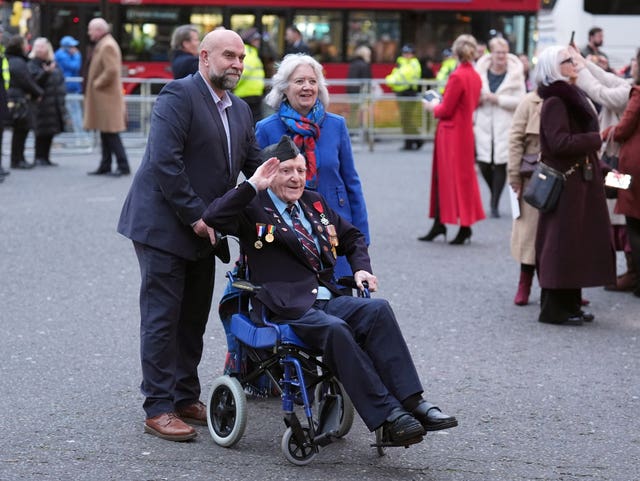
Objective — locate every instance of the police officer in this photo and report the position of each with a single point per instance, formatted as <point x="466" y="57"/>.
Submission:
<point x="250" y="88"/>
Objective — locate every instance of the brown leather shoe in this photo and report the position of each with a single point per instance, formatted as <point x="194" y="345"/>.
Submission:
<point x="170" y="427"/>
<point x="195" y="413"/>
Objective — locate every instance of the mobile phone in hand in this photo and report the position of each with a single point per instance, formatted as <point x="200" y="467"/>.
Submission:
<point x="431" y="95"/>
<point x="572" y="41"/>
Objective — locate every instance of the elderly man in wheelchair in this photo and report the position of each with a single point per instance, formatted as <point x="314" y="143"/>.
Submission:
<point x="291" y="237"/>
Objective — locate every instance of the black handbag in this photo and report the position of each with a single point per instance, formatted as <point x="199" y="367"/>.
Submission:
<point x="528" y="164"/>
<point x="544" y="189"/>
<point x="18" y="110"/>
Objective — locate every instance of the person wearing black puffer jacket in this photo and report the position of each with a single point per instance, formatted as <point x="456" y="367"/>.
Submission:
<point x="23" y="91"/>
<point x="50" y="112"/>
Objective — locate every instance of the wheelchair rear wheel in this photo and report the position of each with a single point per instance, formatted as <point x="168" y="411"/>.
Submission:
<point x="227" y="411"/>
<point x="296" y="453"/>
<point x="333" y="386"/>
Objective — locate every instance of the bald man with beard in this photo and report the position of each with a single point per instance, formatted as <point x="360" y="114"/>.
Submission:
<point x="201" y="138"/>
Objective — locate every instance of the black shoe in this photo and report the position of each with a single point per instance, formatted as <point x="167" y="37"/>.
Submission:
<point x="432" y="418"/>
<point x="23" y="164"/>
<point x="576" y="320"/>
<point x="401" y="428"/>
<point x="436" y="230"/>
<point x="464" y="235"/>
<point x="44" y="163"/>
<point x="587" y="316"/>
<point x="100" y="171"/>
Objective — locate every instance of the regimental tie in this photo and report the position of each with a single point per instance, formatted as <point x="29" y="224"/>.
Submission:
<point x="308" y="244"/>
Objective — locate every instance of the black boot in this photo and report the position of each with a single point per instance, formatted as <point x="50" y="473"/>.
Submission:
<point x="437" y="229"/>
<point x="464" y="235"/>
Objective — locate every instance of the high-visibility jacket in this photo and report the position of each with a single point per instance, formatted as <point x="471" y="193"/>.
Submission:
<point x="405" y="75"/>
<point x="252" y="81"/>
<point x="448" y="65"/>
<point x="6" y="76"/>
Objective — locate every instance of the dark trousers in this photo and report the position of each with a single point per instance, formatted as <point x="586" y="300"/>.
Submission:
<point x="362" y="344"/>
<point x="175" y="299"/>
<point x="557" y="305"/>
<point x="495" y="175"/>
<point x="18" y="140"/>
<point x="43" y="146"/>
<point x="633" y="232"/>
<point x="112" y="145"/>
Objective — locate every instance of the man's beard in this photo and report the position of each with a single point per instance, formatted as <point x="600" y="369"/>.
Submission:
<point x="224" y="81"/>
<point x="597" y="43"/>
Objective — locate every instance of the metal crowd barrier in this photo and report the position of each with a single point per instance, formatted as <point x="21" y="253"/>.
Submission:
<point x="374" y="114"/>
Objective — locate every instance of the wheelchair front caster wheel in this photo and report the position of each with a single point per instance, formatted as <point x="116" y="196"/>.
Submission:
<point x="300" y="455"/>
<point x="226" y="411"/>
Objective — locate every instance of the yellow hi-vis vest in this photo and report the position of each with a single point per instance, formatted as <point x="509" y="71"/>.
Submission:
<point x="405" y="74"/>
<point x="252" y="81"/>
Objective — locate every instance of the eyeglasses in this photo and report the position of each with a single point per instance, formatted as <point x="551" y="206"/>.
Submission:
<point x="568" y="60"/>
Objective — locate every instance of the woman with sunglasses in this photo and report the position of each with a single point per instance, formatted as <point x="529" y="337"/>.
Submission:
<point x="573" y="244"/>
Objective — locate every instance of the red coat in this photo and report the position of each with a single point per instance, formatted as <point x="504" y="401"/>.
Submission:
<point x="628" y="133"/>
<point x="455" y="194"/>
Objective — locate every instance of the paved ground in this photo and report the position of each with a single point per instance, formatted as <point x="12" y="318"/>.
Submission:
<point x="535" y="402"/>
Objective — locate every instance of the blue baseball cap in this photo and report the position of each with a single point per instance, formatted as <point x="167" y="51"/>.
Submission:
<point x="68" y="41"/>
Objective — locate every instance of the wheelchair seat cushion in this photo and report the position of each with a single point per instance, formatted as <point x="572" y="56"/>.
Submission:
<point x="261" y="337"/>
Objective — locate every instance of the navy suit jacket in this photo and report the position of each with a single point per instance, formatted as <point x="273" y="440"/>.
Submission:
<point x="289" y="284"/>
<point x="186" y="166"/>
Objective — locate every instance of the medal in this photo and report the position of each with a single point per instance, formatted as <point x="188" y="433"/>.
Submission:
<point x="323" y="218"/>
<point x="258" y="244"/>
<point x="270" y="230"/>
<point x="259" y="232"/>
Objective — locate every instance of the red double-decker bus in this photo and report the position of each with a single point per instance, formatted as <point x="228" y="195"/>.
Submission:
<point x="332" y="28"/>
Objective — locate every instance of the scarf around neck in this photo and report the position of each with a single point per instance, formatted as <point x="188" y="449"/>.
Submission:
<point x="306" y="131"/>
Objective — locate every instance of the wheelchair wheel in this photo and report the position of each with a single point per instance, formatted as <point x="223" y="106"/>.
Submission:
<point x="333" y="386"/>
<point x="294" y="452"/>
<point x="226" y="411"/>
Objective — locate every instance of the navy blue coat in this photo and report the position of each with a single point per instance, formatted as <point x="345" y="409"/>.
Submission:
<point x="186" y="166"/>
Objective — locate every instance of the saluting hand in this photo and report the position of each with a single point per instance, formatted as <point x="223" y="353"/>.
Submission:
<point x="261" y="179"/>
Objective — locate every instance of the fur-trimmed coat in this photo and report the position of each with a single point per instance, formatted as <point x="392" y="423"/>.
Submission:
<point x="493" y="121"/>
<point x="573" y="244"/>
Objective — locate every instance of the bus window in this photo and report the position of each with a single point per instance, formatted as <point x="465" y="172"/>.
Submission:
<point x="378" y="30"/>
<point x="206" y="19"/>
<point x="322" y="30"/>
<point x="242" y="21"/>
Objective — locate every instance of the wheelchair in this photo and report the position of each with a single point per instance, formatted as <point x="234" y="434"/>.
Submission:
<point x="267" y="358"/>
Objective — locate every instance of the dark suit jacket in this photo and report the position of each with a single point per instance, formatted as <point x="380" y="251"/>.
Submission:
<point x="289" y="282"/>
<point x="185" y="166"/>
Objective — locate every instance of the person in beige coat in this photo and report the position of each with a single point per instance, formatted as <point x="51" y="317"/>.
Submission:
<point x="503" y="87"/>
<point x="104" y="108"/>
<point x="612" y="94"/>
<point x="524" y="138"/>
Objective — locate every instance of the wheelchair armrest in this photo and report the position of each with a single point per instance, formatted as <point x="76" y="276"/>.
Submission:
<point x="244" y="285"/>
<point x="347" y="281"/>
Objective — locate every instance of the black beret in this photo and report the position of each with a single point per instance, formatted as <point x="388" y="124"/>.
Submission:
<point x="285" y="149"/>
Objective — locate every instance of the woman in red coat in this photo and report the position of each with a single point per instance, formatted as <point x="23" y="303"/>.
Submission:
<point x="455" y="195"/>
<point x="573" y="243"/>
<point x="628" y="133"/>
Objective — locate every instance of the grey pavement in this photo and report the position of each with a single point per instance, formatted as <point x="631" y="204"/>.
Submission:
<point x="534" y="401"/>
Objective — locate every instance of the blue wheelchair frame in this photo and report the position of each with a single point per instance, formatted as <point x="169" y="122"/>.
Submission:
<point x="266" y="356"/>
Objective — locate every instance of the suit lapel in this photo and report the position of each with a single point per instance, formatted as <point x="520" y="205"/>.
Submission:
<point x="319" y="230"/>
<point x="215" y="115"/>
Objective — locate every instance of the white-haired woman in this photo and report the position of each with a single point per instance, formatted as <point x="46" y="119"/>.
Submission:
<point x="300" y="97"/>
<point x="573" y="243"/>
<point x="51" y="112"/>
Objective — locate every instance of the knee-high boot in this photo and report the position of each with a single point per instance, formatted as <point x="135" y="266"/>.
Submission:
<point x="524" y="288"/>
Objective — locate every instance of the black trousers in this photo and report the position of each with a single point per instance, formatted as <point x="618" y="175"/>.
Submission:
<point x="112" y="145"/>
<point x="175" y="299"/>
<point x="18" y="141"/>
<point x="362" y="344"/>
<point x="557" y="305"/>
<point x="43" y="146"/>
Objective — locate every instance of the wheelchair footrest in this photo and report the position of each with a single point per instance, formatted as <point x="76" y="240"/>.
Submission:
<point x="406" y="444"/>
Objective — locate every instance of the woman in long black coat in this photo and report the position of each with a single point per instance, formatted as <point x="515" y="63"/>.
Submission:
<point x="51" y="111"/>
<point x="573" y="243"/>
<point x="23" y="90"/>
